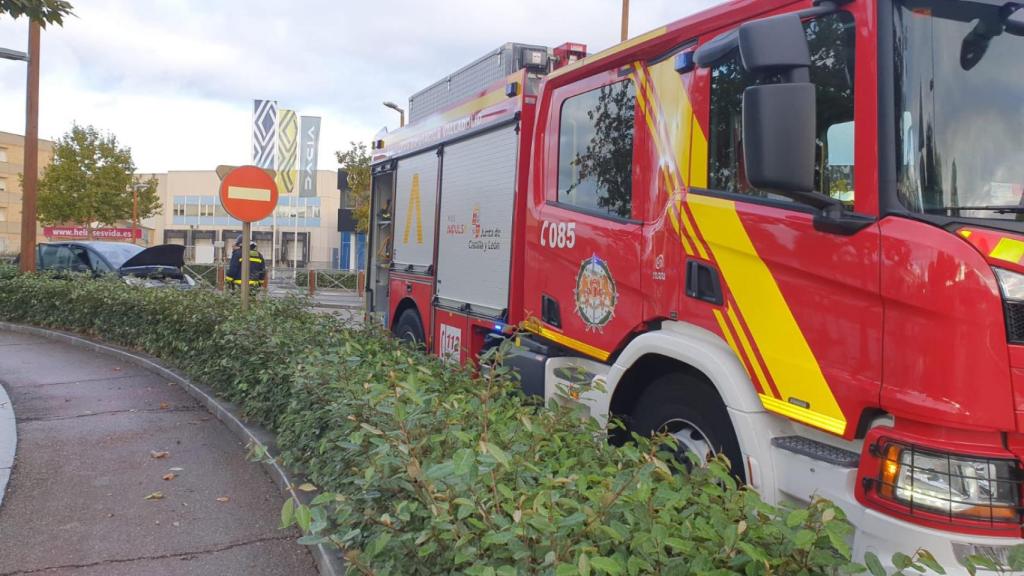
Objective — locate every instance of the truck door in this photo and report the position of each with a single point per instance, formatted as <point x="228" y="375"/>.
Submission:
<point x="583" y="277"/>
<point x="381" y="239"/>
<point x="803" y="308"/>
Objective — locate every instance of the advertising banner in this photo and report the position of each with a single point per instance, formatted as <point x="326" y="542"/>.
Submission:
<point x="309" y="147"/>
<point x="287" y="150"/>
<point x="264" y="133"/>
<point x="82" y="233"/>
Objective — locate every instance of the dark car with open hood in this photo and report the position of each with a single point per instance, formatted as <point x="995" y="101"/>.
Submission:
<point x="156" y="266"/>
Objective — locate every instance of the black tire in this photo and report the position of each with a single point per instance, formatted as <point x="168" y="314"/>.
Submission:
<point x="409" y="327"/>
<point x="679" y="400"/>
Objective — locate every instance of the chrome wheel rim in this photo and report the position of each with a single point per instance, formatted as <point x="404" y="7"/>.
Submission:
<point x="690" y="439"/>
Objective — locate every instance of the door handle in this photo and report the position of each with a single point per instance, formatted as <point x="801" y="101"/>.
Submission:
<point x="702" y="282"/>
<point x="549" y="311"/>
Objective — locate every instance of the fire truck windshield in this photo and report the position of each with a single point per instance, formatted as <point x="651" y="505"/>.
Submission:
<point x="960" y="107"/>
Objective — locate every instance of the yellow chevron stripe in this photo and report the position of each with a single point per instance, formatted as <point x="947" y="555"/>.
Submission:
<point x="747" y="348"/>
<point x="649" y="108"/>
<point x="672" y="98"/>
<point x="785" y="351"/>
<point x="668" y="90"/>
<point x="571" y="343"/>
<point x="728" y="338"/>
<point x="827" y="423"/>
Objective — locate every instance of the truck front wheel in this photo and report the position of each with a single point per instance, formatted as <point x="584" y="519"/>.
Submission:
<point x="689" y="409"/>
<point x="409" y="327"/>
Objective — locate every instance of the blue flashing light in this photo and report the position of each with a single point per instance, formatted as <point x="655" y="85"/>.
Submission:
<point x="684" y="62"/>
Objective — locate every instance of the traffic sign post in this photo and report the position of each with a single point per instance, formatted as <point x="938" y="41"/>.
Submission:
<point x="249" y="194"/>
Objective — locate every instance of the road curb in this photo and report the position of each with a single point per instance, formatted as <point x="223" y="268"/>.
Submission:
<point x="328" y="561"/>
<point x="8" y="440"/>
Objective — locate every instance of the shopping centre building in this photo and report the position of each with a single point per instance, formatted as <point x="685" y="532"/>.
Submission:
<point x="303" y="230"/>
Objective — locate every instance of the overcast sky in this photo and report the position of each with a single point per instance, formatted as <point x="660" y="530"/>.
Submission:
<point x="175" y="79"/>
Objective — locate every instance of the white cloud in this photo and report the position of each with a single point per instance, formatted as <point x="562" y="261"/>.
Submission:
<point x="175" y="79"/>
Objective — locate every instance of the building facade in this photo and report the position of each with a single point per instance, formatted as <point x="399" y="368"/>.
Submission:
<point x="302" y="232"/>
<point x="12" y="161"/>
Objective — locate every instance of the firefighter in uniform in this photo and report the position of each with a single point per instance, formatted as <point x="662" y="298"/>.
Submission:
<point x="257" y="268"/>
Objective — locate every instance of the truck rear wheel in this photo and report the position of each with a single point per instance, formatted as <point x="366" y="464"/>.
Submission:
<point x="409" y="327"/>
<point x="689" y="409"/>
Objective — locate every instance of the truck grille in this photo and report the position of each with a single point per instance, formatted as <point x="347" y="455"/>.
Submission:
<point x="1015" y="322"/>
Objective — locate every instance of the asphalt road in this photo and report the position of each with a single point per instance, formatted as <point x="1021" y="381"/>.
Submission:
<point x="91" y="437"/>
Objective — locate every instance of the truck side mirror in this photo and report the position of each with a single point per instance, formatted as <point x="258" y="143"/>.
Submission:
<point x="779" y="118"/>
<point x="778" y="137"/>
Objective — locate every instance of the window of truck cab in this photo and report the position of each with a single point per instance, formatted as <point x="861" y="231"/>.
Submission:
<point x="831" y="39"/>
<point x="595" y="155"/>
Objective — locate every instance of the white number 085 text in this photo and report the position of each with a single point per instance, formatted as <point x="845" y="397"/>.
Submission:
<point x="558" y="234"/>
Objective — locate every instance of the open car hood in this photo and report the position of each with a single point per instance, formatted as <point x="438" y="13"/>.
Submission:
<point x="171" y="255"/>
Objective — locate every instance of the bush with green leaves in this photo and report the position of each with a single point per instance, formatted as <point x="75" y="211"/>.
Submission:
<point x="328" y="279"/>
<point x="423" y="468"/>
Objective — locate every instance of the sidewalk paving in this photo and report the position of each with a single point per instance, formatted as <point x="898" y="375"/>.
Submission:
<point x="88" y="429"/>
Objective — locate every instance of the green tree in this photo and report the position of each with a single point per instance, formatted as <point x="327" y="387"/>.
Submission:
<point x="356" y="161"/>
<point x="92" y="181"/>
<point x="42" y="11"/>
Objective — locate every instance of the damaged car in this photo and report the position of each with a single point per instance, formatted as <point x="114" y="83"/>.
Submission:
<point x="156" y="266"/>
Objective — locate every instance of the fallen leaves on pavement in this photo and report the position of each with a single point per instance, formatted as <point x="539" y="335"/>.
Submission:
<point x="169" y="476"/>
<point x="223" y="499"/>
<point x="158" y="454"/>
<point x="158" y="495"/>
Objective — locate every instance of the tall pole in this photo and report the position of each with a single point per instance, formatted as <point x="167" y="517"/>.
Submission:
<point x="31" y="165"/>
<point x="244" y="253"/>
<point x="135" y="212"/>
<point x="625" y="20"/>
<point x="295" y="237"/>
<point x="273" y="244"/>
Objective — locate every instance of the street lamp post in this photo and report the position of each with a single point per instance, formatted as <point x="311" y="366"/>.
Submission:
<point x="401" y="113"/>
<point x="31" y="163"/>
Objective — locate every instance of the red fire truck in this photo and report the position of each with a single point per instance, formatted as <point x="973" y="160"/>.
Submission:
<point x="789" y="232"/>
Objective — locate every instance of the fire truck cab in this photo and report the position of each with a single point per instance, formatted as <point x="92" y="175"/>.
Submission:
<point x="788" y="232"/>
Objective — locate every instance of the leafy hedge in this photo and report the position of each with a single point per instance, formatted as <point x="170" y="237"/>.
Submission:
<point x="327" y="279"/>
<point x="424" y="469"/>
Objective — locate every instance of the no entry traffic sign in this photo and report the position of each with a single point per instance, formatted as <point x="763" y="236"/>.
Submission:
<point x="248" y="193"/>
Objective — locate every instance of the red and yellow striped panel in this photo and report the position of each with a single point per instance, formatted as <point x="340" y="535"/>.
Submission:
<point x="756" y="320"/>
<point x="1001" y="249"/>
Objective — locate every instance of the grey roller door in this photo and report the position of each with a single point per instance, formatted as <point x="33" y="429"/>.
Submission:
<point x="415" y="209"/>
<point x="478" y="181"/>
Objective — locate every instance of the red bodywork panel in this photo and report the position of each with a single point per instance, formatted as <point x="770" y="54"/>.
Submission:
<point x="460" y="337"/>
<point x="946" y="358"/>
<point x="419" y="290"/>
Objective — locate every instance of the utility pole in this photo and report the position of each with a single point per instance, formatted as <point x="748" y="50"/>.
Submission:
<point x="31" y="165"/>
<point x="135" y="212"/>
<point x="625" y="20"/>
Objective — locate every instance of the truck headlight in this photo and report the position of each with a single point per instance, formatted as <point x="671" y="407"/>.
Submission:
<point x="1011" y="284"/>
<point x="952" y="485"/>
